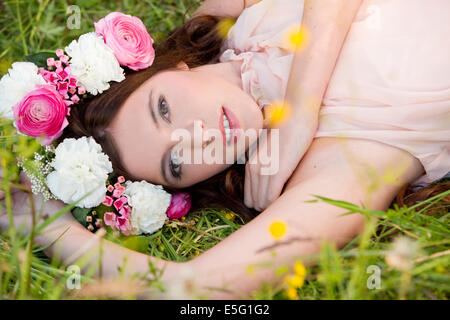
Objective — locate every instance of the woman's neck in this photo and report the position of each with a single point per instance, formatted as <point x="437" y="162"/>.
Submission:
<point x="230" y="71"/>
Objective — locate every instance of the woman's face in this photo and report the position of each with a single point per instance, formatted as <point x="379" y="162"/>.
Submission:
<point x="189" y="104"/>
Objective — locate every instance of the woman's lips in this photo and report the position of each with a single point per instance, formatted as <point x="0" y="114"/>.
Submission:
<point x="233" y="124"/>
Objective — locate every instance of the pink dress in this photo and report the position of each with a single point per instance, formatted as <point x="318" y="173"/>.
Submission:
<point x="391" y="83"/>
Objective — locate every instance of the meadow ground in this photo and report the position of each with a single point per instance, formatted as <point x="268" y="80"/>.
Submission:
<point x="404" y="253"/>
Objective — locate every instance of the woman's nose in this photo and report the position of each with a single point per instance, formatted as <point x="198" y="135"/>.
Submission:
<point x="194" y="134"/>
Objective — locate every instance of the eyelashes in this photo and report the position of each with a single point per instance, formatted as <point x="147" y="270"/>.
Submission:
<point x="163" y="109"/>
<point x="175" y="165"/>
<point x="174" y="162"/>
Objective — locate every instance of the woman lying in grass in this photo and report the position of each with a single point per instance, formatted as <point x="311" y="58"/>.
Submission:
<point x="364" y="121"/>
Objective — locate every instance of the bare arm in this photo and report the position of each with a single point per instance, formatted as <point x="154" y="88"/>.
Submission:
<point x="332" y="168"/>
<point x="228" y="8"/>
<point x="327" y="22"/>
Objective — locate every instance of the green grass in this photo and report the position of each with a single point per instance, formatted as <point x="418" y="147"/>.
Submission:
<point x="25" y="272"/>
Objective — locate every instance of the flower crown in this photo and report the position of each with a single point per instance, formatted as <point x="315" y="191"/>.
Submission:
<point x="38" y="95"/>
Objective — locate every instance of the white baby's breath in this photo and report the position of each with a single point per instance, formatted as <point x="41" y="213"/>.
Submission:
<point x="80" y="168"/>
<point x="93" y="63"/>
<point x="148" y="204"/>
<point x="21" y="79"/>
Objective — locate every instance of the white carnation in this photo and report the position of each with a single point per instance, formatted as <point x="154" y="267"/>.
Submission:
<point x="93" y="63"/>
<point x="81" y="168"/>
<point x="21" y="79"/>
<point x="148" y="204"/>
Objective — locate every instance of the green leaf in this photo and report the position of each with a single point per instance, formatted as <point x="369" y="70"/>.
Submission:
<point x="80" y="214"/>
<point x="40" y="59"/>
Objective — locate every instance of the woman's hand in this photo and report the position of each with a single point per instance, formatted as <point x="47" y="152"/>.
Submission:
<point x="263" y="186"/>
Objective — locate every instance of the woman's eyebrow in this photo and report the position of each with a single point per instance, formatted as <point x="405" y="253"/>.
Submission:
<point x="150" y="106"/>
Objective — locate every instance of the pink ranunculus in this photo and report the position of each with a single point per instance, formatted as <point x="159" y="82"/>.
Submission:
<point x="42" y="113"/>
<point x="128" y="38"/>
<point x="179" y="205"/>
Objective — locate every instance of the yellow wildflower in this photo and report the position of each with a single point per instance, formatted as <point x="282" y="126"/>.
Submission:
<point x="278" y="229"/>
<point x="294" y="281"/>
<point x="297" y="38"/>
<point x="292" y="293"/>
<point x="277" y="113"/>
<point x="224" y="26"/>
<point x="299" y="268"/>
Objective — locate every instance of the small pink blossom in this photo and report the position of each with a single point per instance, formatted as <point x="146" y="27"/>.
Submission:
<point x="64" y="59"/>
<point x="123" y="224"/>
<point x="81" y="90"/>
<point x="59" y="53"/>
<point x="74" y="98"/>
<point x="108" y="201"/>
<point x="73" y="82"/>
<point x="179" y="205"/>
<point x="110" y="188"/>
<point x="125" y="211"/>
<point x="41" y="113"/>
<point x="51" y="62"/>
<point x="58" y="65"/>
<point x="110" y="219"/>
<point x="128" y="38"/>
<point x="119" y="203"/>
<point x="63" y="75"/>
<point x="121" y="179"/>
<point x="62" y="88"/>
<point x="118" y="191"/>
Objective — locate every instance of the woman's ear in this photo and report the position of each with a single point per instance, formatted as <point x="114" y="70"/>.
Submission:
<point x="183" y="66"/>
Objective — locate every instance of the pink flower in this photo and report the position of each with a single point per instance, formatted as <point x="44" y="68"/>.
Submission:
<point x="74" y="98"/>
<point x="125" y="211"/>
<point x="110" y="219"/>
<point x="128" y="38"/>
<point x="108" y="201"/>
<point x="123" y="224"/>
<point x="73" y="82"/>
<point x="110" y="188"/>
<point x="119" y="203"/>
<point x="121" y="179"/>
<point x="50" y="62"/>
<point x="59" y="53"/>
<point x="41" y="113"/>
<point x="81" y="90"/>
<point x="179" y="205"/>
<point x="118" y="191"/>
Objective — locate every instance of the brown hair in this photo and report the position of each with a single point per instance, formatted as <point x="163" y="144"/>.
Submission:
<point x="197" y="43"/>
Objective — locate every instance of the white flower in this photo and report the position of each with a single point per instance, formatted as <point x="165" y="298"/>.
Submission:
<point x="402" y="253"/>
<point x="80" y="169"/>
<point x="21" y="79"/>
<point x="93" y="63"/>
<point x="148" y="204"/>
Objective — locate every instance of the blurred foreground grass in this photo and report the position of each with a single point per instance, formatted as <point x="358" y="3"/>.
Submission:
<point x="409" y="247"/>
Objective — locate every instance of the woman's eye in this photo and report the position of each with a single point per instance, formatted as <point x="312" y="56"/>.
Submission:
<point x="175" y="165"/>
<point x="175" y="169"/>
<point x="163" y="108"/>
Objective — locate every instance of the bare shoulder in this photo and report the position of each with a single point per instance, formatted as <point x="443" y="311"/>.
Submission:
<point x="229" y="8"/>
